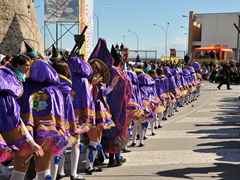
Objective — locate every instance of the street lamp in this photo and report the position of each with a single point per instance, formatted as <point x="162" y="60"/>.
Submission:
<point x="97" y="16"/>
<point x="136" y="36"/>
<point x="184" y="27"/>
<point x="165" y="30"/>
<point x="187" y="42"/>
<point x="124" y="39"/>
<point x="185" y="16"/>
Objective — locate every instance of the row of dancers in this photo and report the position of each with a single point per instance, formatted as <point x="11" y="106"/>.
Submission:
<point x="50" y="106"/>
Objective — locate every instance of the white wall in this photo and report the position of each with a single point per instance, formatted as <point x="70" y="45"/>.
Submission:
<point x="219" y="28"/>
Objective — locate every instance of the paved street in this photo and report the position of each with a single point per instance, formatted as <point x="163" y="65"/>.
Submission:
<point x="200" y="142"/>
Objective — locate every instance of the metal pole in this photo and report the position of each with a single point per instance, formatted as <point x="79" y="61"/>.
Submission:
<point x="98" y="18"/>
<point x="137" y="38"/>
<point x="44" y="35"/>
<point x="165" y="30"/>
<point x="56" y="35"/>
<point x="238" y="40"/>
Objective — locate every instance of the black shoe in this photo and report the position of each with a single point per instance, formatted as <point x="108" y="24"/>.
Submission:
<point x="176" y="110"/>
<point x="98" y="161"/>
<point x="138" y="137"/>
<point x="76" y="178"/>
<point x="114" y="163"/>
<point x="59" y="176"/>
<point x="229" y="88"/>
<point x="125" y="150"/>
<point x="153" y="133"/>
<point x="122" y="160"/>
<point x="155" y="127"/>
<point x="97" y="169"/>
<point x="169" y="115"/>
<point x="219" y="88"/>
<point x="141" y="144"/>
<point x="133" y="144"/>
<point x="145" y="137"/>
<point x="159" y="126"/>
<point x="89" y="170"/>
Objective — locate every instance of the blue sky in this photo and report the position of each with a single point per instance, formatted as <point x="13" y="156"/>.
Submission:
<point x="139" y="16"/>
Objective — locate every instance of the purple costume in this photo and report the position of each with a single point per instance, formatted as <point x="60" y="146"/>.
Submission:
<point x="135" y="109"/>
<point x="103" y="118"/>
<point x="176" y="75"/>
<point x="81" y="94"/>
<point x="149" y="95"/>
<point x="69" y="116"/>
<point x="42" y="108"/>
<point x="11" y="127"/>
<point x="172" y="84"/>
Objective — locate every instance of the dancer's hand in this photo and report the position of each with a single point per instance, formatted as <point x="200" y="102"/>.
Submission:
<point x="36" y="148"/>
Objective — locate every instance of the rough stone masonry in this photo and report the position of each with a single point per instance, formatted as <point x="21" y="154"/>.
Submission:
<point x="18" y="22"/>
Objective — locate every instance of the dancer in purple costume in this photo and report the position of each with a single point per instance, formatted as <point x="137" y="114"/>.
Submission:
<point x="169" y="97"/>
<point x="115" y="138"/>
<point x="81" y="95"/>
<point x="159" y="92"/>
<point x="188" y="79"/>
<point x="42" y="112"/>
<point x="71" y="124"/>
<point x="13" y="132"/>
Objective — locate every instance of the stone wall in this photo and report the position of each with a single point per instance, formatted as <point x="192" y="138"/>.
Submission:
<point x="18" y="22"/>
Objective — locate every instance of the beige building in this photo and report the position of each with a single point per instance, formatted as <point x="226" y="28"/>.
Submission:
<point x="213" y="28"/>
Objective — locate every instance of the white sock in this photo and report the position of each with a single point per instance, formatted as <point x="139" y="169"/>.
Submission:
<point x="43" y="174"/>
<point x="88" y="163"/>
<point x="75" y="153"/>
<point x="17" y="175"/>
<point x="151" y="124"/>
<point x="61" y="165"/>
<point x="145" y="131"/>
<point x="134" y="131"/>
<point x="5" y="170"/>
<point x="160" y="115"/>
<point x="53" y="167"/>
<point x="141" y="133"/>
<point x="95" y="153"/>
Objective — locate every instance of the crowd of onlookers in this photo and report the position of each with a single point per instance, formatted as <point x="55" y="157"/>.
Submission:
<point x="213" y="72"/>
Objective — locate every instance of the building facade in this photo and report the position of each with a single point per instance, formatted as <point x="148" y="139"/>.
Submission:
<point x="213" y="28"/>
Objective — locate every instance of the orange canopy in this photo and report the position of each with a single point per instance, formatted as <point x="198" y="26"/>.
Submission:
<point x="222" y="50"/>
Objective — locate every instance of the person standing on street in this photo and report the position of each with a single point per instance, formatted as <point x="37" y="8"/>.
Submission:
<point x="226" y="75"/>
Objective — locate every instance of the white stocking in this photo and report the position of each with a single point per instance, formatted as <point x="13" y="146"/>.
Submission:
<point x="88" y="163"/>
<point x="151" y="124"/>
<point x="54" y="166"/>
<point x="141" y="133"/>
<point x="75" y="153"/>
<point x="43" y="174"/>
<point x="134" y="131"/>
<point x="160" y="115"/>
<point x="17" y="175"/>
<point x="61" y="165"/>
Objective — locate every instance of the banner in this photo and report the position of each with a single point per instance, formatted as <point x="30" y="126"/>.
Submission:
<point x="86" y="18"/>
<point x="61" y="10"/>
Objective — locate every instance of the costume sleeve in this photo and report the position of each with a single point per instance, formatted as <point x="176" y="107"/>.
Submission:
<point x="11" y="126"/>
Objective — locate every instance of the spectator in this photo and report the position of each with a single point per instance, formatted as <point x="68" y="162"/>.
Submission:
<point x="186" y="59"/>
<point x="121" y="46"/>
